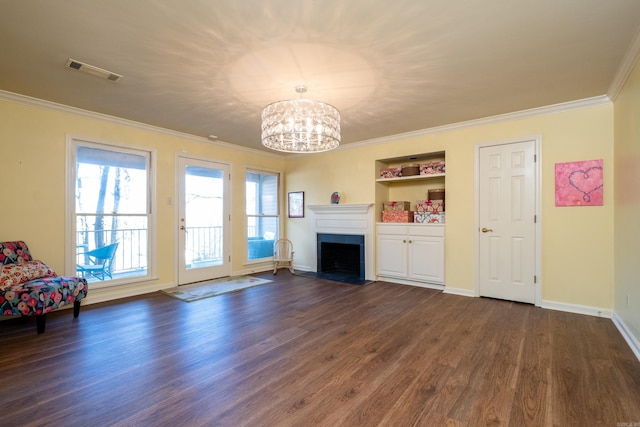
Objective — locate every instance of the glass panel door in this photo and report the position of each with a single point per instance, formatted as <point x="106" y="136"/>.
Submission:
<point x="203" y="220"/>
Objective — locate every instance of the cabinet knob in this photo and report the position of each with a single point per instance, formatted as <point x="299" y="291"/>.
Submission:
<point x="404" y="241"/>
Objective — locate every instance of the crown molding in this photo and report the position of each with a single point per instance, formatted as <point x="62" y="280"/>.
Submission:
<point x="49" y="105"/>
<point x="516" y="115"/>
<point x="626" y="67"/>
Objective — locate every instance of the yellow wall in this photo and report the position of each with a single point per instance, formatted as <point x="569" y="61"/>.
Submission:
<point x="33" y="159"/>
<point x="577" y="258"/>
<point x="627" y="204"/>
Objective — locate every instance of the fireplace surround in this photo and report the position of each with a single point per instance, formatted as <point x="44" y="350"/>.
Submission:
<point x="348" y="225"/>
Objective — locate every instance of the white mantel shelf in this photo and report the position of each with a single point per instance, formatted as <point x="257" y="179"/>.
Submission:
<point x="347" y="208"/>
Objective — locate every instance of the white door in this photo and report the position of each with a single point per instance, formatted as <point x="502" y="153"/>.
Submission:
<point x="203" y="220"/>
<point x="506" y="221"/>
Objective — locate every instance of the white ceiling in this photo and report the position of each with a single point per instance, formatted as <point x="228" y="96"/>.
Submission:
<point x="209" y="66"/>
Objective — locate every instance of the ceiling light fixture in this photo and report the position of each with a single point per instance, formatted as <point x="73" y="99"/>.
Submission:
<point x="300" y="125"/>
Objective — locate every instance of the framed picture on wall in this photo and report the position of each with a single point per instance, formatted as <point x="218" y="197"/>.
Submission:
<point x="296" y="204"/>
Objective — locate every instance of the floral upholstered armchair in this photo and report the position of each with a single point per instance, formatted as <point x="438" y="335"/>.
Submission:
<point x="30" y="288"/>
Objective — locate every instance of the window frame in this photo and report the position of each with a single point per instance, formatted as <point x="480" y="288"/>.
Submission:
<point x="71" y="215"/>
<point x="277" y="215"/>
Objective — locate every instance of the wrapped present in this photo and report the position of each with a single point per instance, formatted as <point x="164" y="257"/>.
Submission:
<point x="396" y="206"/>
<point x="390" y="173"/>
<point x="420" y="217"/>
<point x="428" y="218"/>
<point x="421" y="205"/>
<point x="435" y="206"/>
<point x="431" y="168"/>
<point x="397" y="216"/>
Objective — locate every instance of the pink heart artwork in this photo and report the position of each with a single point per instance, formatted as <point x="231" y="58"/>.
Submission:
<point x="579" y="183"/>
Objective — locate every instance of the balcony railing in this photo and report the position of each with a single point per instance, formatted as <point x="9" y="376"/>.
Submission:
<point x="203" y="244"/>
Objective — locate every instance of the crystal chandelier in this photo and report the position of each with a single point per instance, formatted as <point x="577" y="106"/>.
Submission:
<point x="300" y="125"/>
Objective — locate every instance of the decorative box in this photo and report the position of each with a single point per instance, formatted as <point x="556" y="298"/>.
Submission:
<point x="410" y="170"/>
<point x="431" y="168"/>
<point x="435" y="206"/>
<point x="436" y="194"/>
<point x="396" y="206"/>
<point x="427" y="218"/>
<point x="397" y="216"/>
<point x="422" y="205"/>
<point x="390" y="173"/>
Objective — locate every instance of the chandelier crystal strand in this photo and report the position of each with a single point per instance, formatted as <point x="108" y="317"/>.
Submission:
<point x="300" y="126"/>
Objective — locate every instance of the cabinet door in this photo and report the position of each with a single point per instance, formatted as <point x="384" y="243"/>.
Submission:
<point x="392" y="255"/>
<point x="426" y="258"/>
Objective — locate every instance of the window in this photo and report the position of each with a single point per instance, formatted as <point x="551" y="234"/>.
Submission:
<point x="262" y="195"/>
<point x="111" y="209"/>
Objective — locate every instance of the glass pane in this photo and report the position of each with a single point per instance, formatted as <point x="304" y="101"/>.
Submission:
<point x="262" y="233"/>
<point x="117" y="185"/>
<point x="262" y="193"/>
<point x="94" y="232"/>
<point x="204" y="216"/>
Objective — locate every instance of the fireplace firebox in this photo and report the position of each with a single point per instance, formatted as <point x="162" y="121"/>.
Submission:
<point x="341" y="257"/>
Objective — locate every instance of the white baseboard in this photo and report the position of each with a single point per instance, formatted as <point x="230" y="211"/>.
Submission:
<point x="459" y="291"/>
<point x="398" y="281"/>
<point x="627" y="335"/>
<point x="252" y="270"/>
<point x="579" y="309"/>
<point x="109" y="294"/>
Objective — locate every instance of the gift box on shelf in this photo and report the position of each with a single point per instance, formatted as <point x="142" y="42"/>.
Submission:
<point x="390" y="173"/>
<point x="432" y="168"/>
<point x="397" y="216"/>
<point x="422" y="205"/>
<point x="435" y="194"/>
<point x="410" y="170"/>
<point x="396" y="206"/>
<point x="435" y="206"/>
<point x="428" y="218"/>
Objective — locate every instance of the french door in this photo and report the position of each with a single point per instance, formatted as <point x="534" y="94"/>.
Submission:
<point x="507" y="224"/>
<point x="203" y="220"/>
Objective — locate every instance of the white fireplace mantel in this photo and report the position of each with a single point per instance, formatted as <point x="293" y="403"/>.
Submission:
<point x="347" y="219"/>
<point x="353" y="209"/>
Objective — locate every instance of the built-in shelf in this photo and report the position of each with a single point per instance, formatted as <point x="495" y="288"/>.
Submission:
<point x="409" y="253"/>
<point x="410" y="178"/>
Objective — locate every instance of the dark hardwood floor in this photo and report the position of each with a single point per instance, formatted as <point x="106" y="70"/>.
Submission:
<point x="306" y="352"/>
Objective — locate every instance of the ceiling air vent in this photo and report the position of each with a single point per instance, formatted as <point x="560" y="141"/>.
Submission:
<point x="95" y="71"/>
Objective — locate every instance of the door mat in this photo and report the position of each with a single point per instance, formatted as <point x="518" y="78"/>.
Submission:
<point x="213" y="288"/>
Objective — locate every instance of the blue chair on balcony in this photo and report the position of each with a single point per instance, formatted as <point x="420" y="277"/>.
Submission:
<point x="99" y="262"/>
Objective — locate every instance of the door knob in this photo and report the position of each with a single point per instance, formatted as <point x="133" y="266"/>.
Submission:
<point x="486" y="230"/>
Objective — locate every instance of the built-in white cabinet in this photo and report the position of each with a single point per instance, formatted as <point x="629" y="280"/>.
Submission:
<point x="410" y="253"/>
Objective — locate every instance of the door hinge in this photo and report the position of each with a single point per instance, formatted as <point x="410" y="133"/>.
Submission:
<point x="229" y="177"/>
<point x="229" y="258"/>
<point x="535" y="279"/>
<point x="535" y="219"/>
<point x="535" y="158"/>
